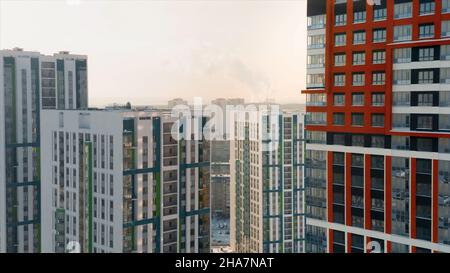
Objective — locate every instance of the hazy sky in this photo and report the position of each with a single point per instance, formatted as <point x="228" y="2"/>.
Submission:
<point x="148" y="51"/>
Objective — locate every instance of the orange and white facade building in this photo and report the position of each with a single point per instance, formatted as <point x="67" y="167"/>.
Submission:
<point x="378" y="126"/>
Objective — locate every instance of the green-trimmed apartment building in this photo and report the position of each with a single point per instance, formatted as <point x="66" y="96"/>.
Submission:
<point x="29" y="82"/>
<point x="120" y="180"/>
<point x="267" y="191"/>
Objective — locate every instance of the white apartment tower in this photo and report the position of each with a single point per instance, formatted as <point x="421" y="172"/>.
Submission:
<point x="267" y="192"/>
<point x="29" y="82"/>
<point x="123" y="181"/>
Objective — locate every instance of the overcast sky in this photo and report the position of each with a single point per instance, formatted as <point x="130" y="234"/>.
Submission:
<point x="148" y="51"/>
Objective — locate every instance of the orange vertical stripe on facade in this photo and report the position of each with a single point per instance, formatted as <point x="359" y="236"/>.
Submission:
<point x="388" y="247"/>
<point x="367" y="192"/>
<point x="413" y="198"/>
<point x="435" y="204"/>
<point x="348" y="189"/>
<point x="388" y="195"/>
<point x="349" y="243"/>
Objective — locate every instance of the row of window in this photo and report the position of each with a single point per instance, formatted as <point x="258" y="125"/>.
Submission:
<point x="428" y="122"/>
<point x="421" y="76"/>
<point x="359" y="58"/>
<point x="401" y="11"/>
<point x="401" y="55"/>
<point x="359" y="78"/>
<point x="425" y="99"/>
<point x="339" y="99"/>
<point x="401" y="33"/>
<point x="358" y="99"/>
<point x="359" y="37"/>
<point x="357" y="119"/>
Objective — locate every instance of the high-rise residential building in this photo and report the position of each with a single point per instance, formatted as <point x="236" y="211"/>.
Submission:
<point x="220" y="174"/>
<point x="220" y="177"/>
<point x="220" y="193"/>
<point x="378" y="152"/>
<point x="124" y="181"/>
<point x="267" y="193"/>
<point x="30" y="82"/>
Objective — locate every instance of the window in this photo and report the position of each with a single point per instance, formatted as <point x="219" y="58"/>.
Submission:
<point x="359" y="58"/>
<point x="359" y="17"/>
<point x="402" y="99"/>
<point x="445" y="6"/>
<point x="444" y="98"/>
<point x="402" y="33"/>
<point x="400" y="143"/>
<point x="377" y="120"/>
<point x="359" y="37"/>
<point x="340" y="39"/>
<point x="357" y="140"/>
<point x="357" y="119"/>
<point x="426" y="76"/>
<point x="425" y="99"/>
<point x="316" y="100"/>
<point x="316" y="118"/>
<point x="316" y="137"/>
<point x="378" y="78"/>
<point x="317" y="21"/>
<point x="426" y="54"/>
<point x="358" y="99"/>
<point x="426" y="31"/>
<point x="339" y="100"/>
<point x="339" y="60"/>
<point x="338" y="119"/>
<point x="340" y="19"/>
<point x="316" y="61"/>
<point x="427" y="7"/>
<point x="403" y="10"/>
<point x="379" y="13"/>
<point x="379" y="57"/>
<point x="339" y="79"/>
<point x="401" y="121"/>
<point x="379" y="35"/>
<point x="358" y="79"/>
<point x="445" y="29"/>
<point x="316" y="41"/>
<point x="402" y="77"/>
<point x="377" y="141"/>
<point x="378" y="99"/>
<point x="445" y="75"/>
<point x="444" y="122"/>
<point x="402" y="55"/>
<point x="445" y="52"/>
<point x="424" y="145"/>
<point x="425" y="122"/>
<point x="315" y="80"/>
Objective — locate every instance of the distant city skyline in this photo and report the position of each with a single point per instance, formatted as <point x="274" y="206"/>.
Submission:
<point x="149" y="52"/>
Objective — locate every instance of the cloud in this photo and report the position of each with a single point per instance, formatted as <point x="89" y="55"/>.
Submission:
<point x="209" y="61"/>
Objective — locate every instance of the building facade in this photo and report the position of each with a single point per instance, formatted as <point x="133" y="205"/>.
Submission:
<point x="30" y="82"/>
<point x="378" y="126"/>
<point x="220" y="178"/>
<point x="123" y="181"/>
<point x="267" y="193"/>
